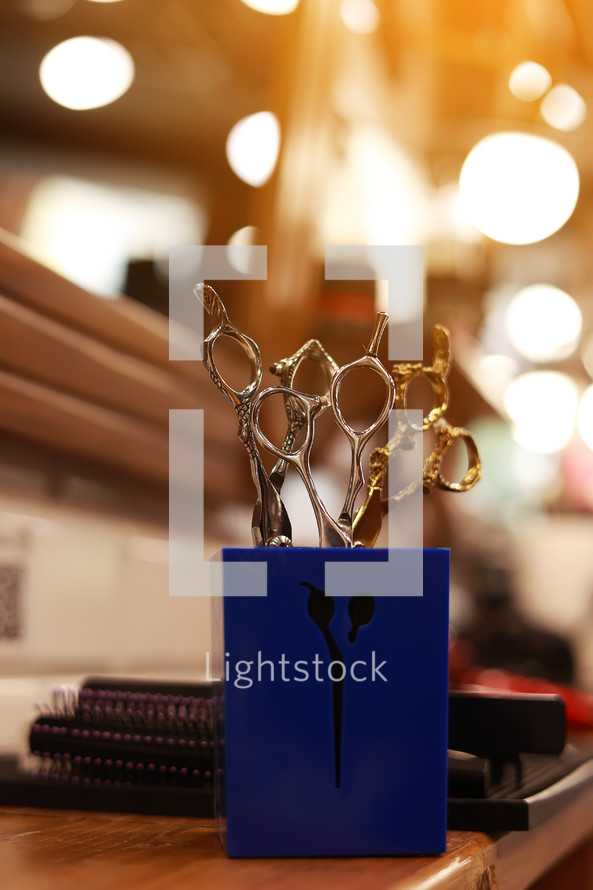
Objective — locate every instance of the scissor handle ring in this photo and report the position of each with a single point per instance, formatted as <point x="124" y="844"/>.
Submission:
<point x="438" y="384"/>
<point x="250" y="348"/>
<point x="367" y="361"/>
<point x="313" y="405"/>
<point x="446" y="435"/>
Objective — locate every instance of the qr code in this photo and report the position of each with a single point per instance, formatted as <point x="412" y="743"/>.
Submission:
<point x="11" y="577"/>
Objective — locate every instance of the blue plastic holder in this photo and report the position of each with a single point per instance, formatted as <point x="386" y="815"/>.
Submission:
<point x="318" y="765"/>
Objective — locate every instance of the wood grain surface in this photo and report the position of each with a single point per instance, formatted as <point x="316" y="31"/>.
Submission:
<point x="47" y="849"/>
<point x="57" y="848"/>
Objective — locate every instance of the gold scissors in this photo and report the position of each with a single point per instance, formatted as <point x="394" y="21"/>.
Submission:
<point x="270" y="524"/>
<point x="368" y="521"/>
<point x="404" y="373"/>
<point x="445" y="435"/>
<point x="369" y="518"/>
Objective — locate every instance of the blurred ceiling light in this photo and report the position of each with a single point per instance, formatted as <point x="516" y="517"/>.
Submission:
<point x="392" y="188"/>
<point x="252" y="147"/>
<point x="543" y="408"/>
<point x="272" y="7"/>
<point x="517" y="188"/>
<point x="544" y="323"/>
<point x="529" y="81"/>
<point x="360" y="16"/>
<point x="238" y="252"/>
<point x="585" y="416"/>
<point x="563" y="108"/>
<point x="375" y="192"/>
<point x="86" y="72"/>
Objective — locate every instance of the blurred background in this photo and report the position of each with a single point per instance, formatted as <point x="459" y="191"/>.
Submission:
<point x="129" y="126"/>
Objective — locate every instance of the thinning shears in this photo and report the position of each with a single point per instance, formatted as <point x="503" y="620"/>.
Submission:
<point x="270" y="524"/>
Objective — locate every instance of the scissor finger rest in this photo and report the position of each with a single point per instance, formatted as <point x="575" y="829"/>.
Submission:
<point x="445" y="436"/>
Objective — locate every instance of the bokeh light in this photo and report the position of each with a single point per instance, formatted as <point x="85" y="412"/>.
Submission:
<point x="518" y="188"/>
<point x="544" y="323"/>
<point x="272" y="7"/>
<point x="252" y="147"/>
<point x="587" y="355"/>
<point x="529" y="81"/>
<point x="360" y="16"/>
<point x="563" y="108"/>
<point x="543" y="408"/>
<point x="86" y="72"/>
<point x="239" y="256"/>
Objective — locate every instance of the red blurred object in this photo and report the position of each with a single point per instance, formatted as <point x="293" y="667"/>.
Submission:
<point x="579" y="704"/>
<point x="466" y="676"/>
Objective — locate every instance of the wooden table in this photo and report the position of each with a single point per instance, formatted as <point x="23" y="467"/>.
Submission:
<point x="54" y="848"/>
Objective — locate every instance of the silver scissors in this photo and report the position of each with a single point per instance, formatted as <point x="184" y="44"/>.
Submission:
<point x="359" y="438"/>
<point x="332" y="533"/>
<point x="286" y="370"/>
<point x="270" y="524"/>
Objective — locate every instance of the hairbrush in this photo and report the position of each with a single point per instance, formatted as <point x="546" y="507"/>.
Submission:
<point x="132" y="746"/>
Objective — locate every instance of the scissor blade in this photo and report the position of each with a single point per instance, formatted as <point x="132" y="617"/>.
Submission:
<point x="270" y="524"/>
<point x="368" y="520"/>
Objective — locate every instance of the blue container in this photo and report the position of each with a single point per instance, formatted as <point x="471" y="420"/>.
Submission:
<point x="319" y="760"/>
